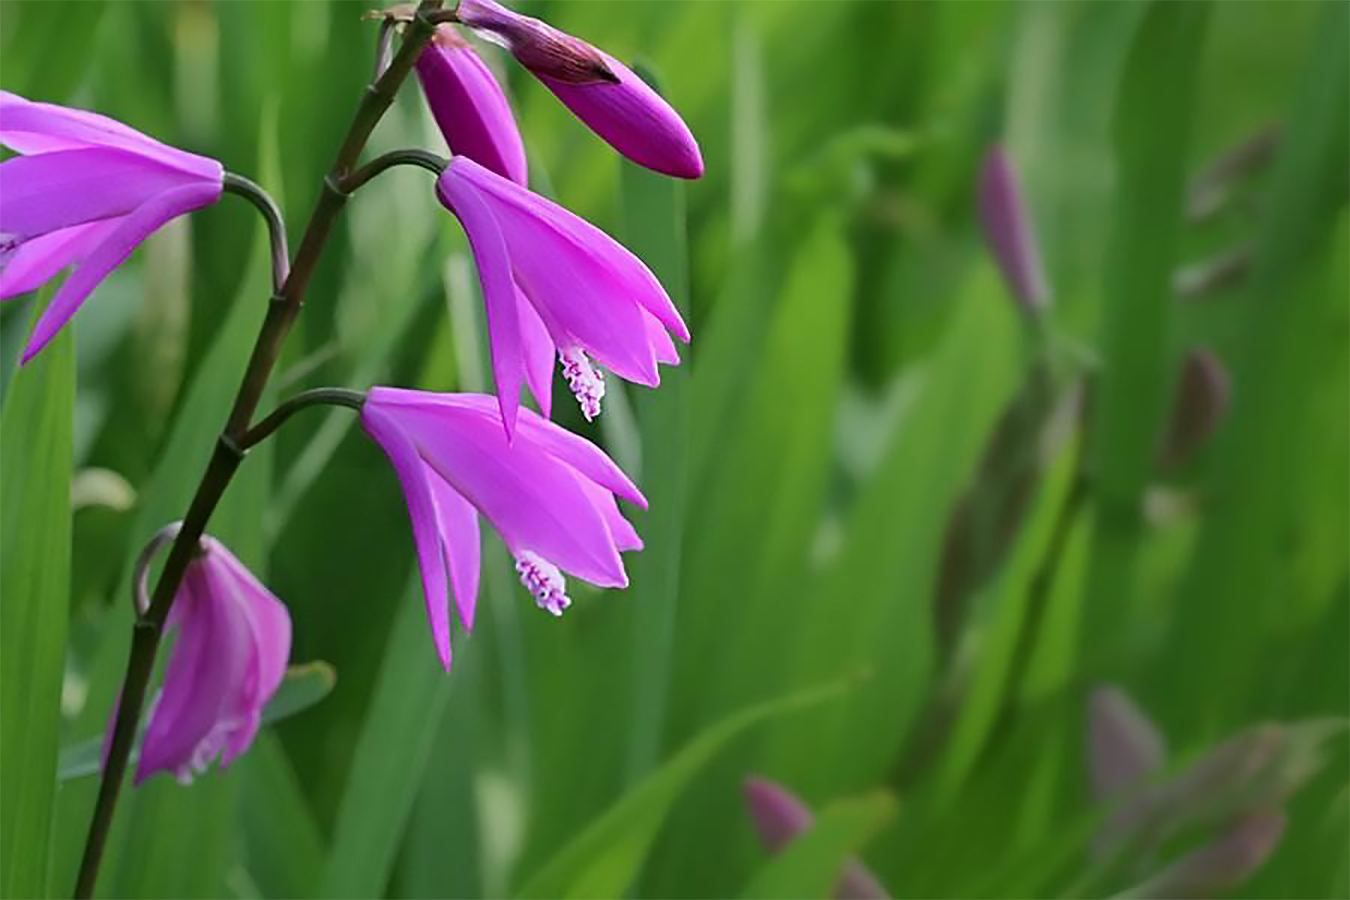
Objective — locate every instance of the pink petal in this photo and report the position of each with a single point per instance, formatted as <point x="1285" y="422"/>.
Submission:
<point x="44" y="193"/>
<point x="663" y="346"/>
<point x="28" y="127"/>
<point x="620" y="529"/>
<point x="539" y="353"/>
<point x="115" y="248"/>
<point x="402" y="454"/>
<point x="470" y="106"/>
<point x="499" y="289"/>
<point x="39" y="259"/>
<point x="458" y="524"/>
<point x="1010" y="232"/>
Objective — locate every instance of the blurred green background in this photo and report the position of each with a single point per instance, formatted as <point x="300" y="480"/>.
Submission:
<point x="879" y="488"/>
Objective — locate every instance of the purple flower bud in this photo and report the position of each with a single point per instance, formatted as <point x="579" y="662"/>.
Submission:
<point x="234" y="638"/>
<point x="1223" y="864"/>
<point x="1124" y="746"/>
<point x="779" y="817"/>
<point x="86" y="192"/>
<point x="1009" y="231"/>
<point x="548" y="493"/>
<point x="601" y="91"/>
<point x="470" y="106"/>
<point x="1202" y="396"/>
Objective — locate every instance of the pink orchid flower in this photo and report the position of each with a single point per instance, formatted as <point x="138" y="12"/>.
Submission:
<point x="599" y="90"/>
<point x="549" y="493"/>
<point x="469" y="106"/>
<point x="234" y="638"/>
<point x="553" y="282"/>
<point x="86" y="191"/>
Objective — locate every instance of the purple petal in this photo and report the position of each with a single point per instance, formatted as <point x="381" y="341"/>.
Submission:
<point x="29" y="127"/>
<point x="1221" y="865"/>
<point x="776" y="812"/>
<point x="531" y="498"/>
<point x="470" y="106"/>
<point x="45" y="193"/>
<point x="662" y="345"/>
<point x="499" y="288"/>
<point x="620" y="529"/>
<point x="458" y="523"/>
<point x="580" y="454"/>
<point x="402" y="454"/>
<point x="118" y="245"/>
<point x="38" y="260"/>
<point x="1010" y="232"/>
<point x="539" y="353"/>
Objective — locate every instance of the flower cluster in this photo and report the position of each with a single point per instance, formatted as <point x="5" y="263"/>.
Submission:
<point x="86" y="190"/>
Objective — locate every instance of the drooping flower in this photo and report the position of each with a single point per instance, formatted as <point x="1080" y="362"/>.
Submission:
<point x="234" y="638"/>
<point x="554" y="283"/>
<point x="549" y="493"/>
<point x="469" y="105"/>
<point x="1009" y="231"/>
<point x="601" y="91"/>
<point x="780" y="816"/>
<point x="86" y="192"/>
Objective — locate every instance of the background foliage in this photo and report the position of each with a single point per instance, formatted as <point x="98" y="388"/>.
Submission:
<point x="853" y="507"/>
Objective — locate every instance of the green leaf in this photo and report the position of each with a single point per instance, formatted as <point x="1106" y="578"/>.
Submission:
<point x="35" y="472"/>
<point x="392" y="752"/>
<point x="283" y="847"/>
<point x="605" y="857"/>
<point x="811" y="864"/>
<point x="303" y="686"/>
<point x="654" y="229"/>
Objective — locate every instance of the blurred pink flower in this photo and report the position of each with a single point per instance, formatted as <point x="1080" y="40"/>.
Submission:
<point x="86" y="192"/>
<point x="553" y="282"/>
<point x="470" y="106"/>
<point x="1009" y="231"/>
<point x="601" y="91"/>
<point x="548" y="493"/>
<point x="234" y="638"/>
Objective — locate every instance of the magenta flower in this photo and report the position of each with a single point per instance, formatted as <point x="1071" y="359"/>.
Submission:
<point x="553" y="282"/>
<point x="470" y="106"/>
<point x="234" y="638"/>
<point x="549" y="493"/>
<point x="1010" y="232"/>
<point x="86" y="192"/>
<point x="599" y="90"/>
<point x="779" y="817"/>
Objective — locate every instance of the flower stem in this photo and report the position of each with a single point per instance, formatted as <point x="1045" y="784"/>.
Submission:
<point x="276" y="225"/>
<point x="229" y="451"/>
<point x="305" y="399"/>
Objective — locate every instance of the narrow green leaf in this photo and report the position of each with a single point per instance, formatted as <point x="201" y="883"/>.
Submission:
<point x="391" y="754"/>
<point x="303" y="686"/>
<point x="603" y="859"/>
<point x="35" y="471"/>
<point x="810" y="866"/>
<point x="283" y="848"/>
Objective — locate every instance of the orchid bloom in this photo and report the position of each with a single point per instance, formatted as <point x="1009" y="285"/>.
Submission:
<point x="553" y="282"/>
<point x="599" y="90"/>
<point x="780" y="817"/>
<point x="1010" y="232"/>
<point x="86" y="192"/>
<point x="549" y="493"/>
<point x="469" y="105"/>
<point x="234" y="638"/>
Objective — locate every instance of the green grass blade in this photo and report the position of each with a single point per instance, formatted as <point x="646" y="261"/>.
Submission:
<point x="35" y="470"/>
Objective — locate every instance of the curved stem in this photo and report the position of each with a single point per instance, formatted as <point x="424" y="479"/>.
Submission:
<point x="276" y="224"/>
<point x="305" y="399"/>
<point x="228" y="453"/>
<point x="420" y="158"/>
<point x="140" y="597"/>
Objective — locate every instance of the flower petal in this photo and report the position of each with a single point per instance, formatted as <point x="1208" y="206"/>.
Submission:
<point x="458" y="523"/>
<point x="38" y="260"/>
<point x="499" y="289"/>
<point x="115" y="248"/>
<point x="30" y="127"/>
<point x="539" y="354"/>
<point x="402" y="454"/>
<point x="470" y="106"/>
<point x="44" y="193"/>
<point x="620" y="529"/>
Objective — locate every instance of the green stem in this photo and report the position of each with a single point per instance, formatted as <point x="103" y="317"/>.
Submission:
<point x="229" y="452"/>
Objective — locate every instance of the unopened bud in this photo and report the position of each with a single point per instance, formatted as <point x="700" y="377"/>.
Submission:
<point x="1010" y="233"/>
<point x="1221" y="865"/>
<point x="1202" y="397"/>
<point x="1124" y="746"/>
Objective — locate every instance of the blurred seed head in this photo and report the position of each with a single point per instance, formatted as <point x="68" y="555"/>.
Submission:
<point x="1010" y="233"/>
